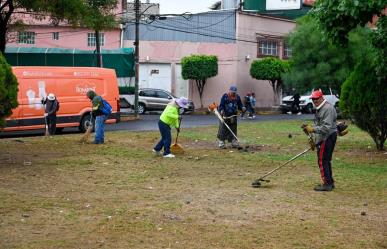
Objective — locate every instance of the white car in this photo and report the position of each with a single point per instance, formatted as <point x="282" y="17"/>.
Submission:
<point x="306" y="103"/>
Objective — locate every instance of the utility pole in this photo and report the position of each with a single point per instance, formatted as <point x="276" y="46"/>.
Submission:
<point x="136" y="55"/>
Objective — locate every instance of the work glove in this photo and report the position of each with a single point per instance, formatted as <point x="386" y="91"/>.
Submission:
<point x="243" y="109"/>
<point x="221" y="112"/>
<point x="307" y="128"/>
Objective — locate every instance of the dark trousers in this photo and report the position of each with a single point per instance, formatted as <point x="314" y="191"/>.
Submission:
<point x="51" y="123"/>
<point x="165" y="140"/>
<point x="295" y="107"/>
<point x="324" y="157"/>
<point x="224" y="133"/>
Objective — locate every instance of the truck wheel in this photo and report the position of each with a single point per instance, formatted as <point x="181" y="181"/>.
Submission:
<point x="309" y="108"/>
<point x="85" y="122"/>
<point x="141" y="108"/>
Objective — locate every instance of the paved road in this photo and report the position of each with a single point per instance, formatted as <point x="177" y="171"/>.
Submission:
<point x="149" y="123"/>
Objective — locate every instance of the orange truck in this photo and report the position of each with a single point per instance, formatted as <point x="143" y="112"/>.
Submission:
<point x="70" y="85"/>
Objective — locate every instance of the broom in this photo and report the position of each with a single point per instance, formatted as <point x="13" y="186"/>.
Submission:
<point x="89" y="129"/>
<point x="177" y="148"/>
<point x="46" y="133"/>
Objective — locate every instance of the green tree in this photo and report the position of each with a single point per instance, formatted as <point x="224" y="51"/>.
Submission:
<point x="337" y="18"/>
<point x="317" y="62"/>
<point x="99" y="16"/>
<point x="199" y="68"/>
<point x="92" y="14"/>
<point x="57" y="10"/>
<point x="8" y="90"/>
<point x="271" y="69"/>
<point x="362" y="95"/>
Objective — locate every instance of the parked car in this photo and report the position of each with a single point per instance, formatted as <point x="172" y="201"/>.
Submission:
<point x="306" y="103"/>
<point x="151" y="99"/>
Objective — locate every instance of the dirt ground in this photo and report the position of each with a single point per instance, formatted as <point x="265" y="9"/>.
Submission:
<point x="59" y="193"/>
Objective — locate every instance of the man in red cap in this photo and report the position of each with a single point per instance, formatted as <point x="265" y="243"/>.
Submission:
<point x="325" y="131"/>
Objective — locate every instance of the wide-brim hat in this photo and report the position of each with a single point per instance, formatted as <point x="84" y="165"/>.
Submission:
<point x="51" y="96"/>
<point x="182" y="102"/>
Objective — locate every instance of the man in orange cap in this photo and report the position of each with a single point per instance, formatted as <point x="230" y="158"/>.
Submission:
<point x="325" y="131"/>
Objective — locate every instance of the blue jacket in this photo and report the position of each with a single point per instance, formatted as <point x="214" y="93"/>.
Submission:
<point x="230" y="106"/>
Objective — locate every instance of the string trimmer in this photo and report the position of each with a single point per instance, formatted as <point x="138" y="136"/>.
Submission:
<point x="312" y="146"/>
<point x="214" y="108"/>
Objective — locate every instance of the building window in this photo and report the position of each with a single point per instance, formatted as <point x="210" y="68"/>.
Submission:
<point x="55" y="35"/>
<point x="267" y="48"/>
<point x="287" y="51"/>
<point x="91" y="42"/>
<point x="26" y="37"/>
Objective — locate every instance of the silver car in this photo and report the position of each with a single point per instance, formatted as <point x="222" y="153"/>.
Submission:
<point x="152" y="99"/>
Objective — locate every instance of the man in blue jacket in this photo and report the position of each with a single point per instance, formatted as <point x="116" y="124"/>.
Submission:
<point x="229" y="105"/>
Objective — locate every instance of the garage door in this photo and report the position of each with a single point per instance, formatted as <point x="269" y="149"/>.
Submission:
<point x="181" y="84"/>
<point x="155" y="75"/>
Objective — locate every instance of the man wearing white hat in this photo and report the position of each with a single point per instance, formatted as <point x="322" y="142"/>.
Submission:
<point x="51" y="108"/>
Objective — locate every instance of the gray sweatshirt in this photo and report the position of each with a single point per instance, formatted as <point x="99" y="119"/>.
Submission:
<point x="325" y="122"/>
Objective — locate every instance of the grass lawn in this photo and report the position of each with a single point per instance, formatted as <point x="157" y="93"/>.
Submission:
<point x="58" y="193"/>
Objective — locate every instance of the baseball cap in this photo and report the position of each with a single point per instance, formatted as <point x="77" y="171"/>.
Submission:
<point x="316" y="94"/>
<point x="233" y="89"/>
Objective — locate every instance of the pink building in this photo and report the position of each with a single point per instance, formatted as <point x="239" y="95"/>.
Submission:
<point x="44" y="34"/>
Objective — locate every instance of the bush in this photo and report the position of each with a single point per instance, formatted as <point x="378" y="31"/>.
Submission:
<point x="199" y="68"/>
<point x="364" y="100"/>
<point x="8" y="90"/>
<point x="126" y="89"/>
<point x="271" y="69"/>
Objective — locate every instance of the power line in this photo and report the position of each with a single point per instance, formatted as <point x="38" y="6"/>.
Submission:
<point x="201" y="34"/>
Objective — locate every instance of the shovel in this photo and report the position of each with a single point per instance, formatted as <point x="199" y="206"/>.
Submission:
<point x="177" y="148"/>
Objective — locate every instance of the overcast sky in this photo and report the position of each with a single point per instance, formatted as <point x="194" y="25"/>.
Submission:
<point x="181" y="6"/>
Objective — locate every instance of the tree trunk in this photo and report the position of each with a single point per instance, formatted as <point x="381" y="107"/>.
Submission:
<point x="3" y="34"/>
<point x="98" y="48"/>
<point x="274" y="86"/>
<point x="200" y="85"/>
<point x="4" y="19"/>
